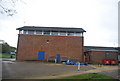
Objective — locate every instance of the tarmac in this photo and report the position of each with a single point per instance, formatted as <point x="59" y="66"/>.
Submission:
<point x="12" y="69"/>
<point x="106" y="70"/>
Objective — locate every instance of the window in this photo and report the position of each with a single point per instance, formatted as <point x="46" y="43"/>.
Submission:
<point x="25" y="32"/>
<point x="30" y="32"/>
<point x="21" y="32"/>
<point x="46" y="32"/>
<point x="70" y="34"/>
<point x="78" y="34"/>
<point x="39" y="32"/>
<point x="63" y="33"/>
<point x="54" y="33"/>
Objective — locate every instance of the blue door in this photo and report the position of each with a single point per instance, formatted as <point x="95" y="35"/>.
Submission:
<point x="41" y="55"/>
<point x="58" y="58"/>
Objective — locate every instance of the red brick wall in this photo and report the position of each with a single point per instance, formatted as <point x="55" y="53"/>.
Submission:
<point x="66" y="46"/>
<point x="98" y="56"/>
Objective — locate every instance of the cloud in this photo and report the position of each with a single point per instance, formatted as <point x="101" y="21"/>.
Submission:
<point x="97" y="17"/>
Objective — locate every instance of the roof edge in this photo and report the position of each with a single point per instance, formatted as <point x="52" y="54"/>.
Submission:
<point x="47" y="28"/>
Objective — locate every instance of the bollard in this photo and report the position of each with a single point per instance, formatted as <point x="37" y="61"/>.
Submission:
<point x="55" y="61"/>
<point x="78" y="66"/>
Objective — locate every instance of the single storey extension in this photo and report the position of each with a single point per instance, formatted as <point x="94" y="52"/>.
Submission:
<point x="97" y="54"/>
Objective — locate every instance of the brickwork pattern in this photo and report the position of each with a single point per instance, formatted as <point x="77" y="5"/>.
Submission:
<point x="66" y="46"/>
<point x="98" y="56"/>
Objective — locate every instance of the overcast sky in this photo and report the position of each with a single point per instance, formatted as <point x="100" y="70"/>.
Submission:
<point x="98" y="17"/>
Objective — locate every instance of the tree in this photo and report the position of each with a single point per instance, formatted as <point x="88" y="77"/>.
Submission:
<point x="6" y="48"/>
<point x="8" y="7"/>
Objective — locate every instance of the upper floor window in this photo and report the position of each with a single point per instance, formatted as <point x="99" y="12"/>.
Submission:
<point x="78" y="34"/>
<point x="46" y="32"/>
<point x="63" y="33"/>
<point x="30" y="32"/>
<point x="39" y="32"/>
<point x="70" y="33"/>
<point x="54" y="33"/>
<point x="25" y="32"/>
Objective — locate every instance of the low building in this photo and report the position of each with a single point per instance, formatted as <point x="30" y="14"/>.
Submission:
<point x="118" y="54"/>
<point x="48" y="43"/>
<point x="97" y="55"/>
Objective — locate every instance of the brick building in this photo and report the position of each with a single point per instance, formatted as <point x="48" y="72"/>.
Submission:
<point x="46" y="43"/>
<point x="97" y="55"/>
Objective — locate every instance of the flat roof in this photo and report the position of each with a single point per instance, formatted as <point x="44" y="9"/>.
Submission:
<point x="51" y="28"/>
<point x="103" y="50"/>
<point x="99" y="48"/>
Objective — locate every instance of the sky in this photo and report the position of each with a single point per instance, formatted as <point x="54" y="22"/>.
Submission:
<point x="99" y="18"/>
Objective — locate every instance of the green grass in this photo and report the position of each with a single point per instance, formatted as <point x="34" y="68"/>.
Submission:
<point x="85" y="77"/>
<point x="90" y="76"/>
<point x="5" y="56"/>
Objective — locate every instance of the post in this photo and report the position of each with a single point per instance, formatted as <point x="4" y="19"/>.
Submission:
<point x="78" y="66"/>
<point x="55" y="60"/>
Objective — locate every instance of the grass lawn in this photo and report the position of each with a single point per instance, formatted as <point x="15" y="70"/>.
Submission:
<point x="91" y="77"/>
<point x="5" y="56"/>
<point x="85" y="77"/>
